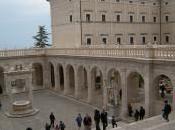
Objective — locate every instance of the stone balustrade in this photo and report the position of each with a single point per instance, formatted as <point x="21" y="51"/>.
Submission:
<point x="116" y="51"/>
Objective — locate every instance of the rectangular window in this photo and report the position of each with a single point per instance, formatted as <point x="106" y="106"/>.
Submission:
<point x="70" y="18"/>
<point x="143" y="40"/>
<point x="118" y="18"/>
<point x="131" y="18"/>
<point x="104" y="40"/>
<point x="143" y="19"/>
<point x="88" y="17"/>
<point x="118" y="40"/>
<point x="154" y="19"/>
<point x="155" y="38"/>
<point x="88" y="41"/>
<point x="167" y="18"/>
<point x="103" y="17"/>
<point x="167" y="39"/>
<point x="131" y="40"/>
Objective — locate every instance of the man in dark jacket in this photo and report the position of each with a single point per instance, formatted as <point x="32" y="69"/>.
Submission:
<point x="142" y="113"/>
<point x="166" y="110"/>
<point x="104" y="119"/>
<point x="97" y="119"/>
<point x="87" y="121"/>
<point x="52" y="119"/>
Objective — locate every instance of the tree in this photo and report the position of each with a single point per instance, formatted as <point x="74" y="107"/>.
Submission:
<point x="41" y="39"/>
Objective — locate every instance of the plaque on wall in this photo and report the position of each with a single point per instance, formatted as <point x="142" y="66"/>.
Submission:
<point x="18" y="85"/>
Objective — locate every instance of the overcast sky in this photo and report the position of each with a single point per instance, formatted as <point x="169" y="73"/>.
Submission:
<point x="19" y="20"/>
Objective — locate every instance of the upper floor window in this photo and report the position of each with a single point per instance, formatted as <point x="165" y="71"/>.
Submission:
<point x="131" y="18"/>
<point x="70" y="18"/>
<point x="88" y="41"/>
<point x="118" y="40"/>
<point x="117" y="0"/>
<point x="155" y="38"/>
<point x="166" y="18"/>
<point x="118" y="18"/>
<point x="155" y="19"/>
<point x="143" y="40"/>
<point x="103" y="17"/>
<point x="143" y="18"/>
<point x="167" y="39"/>
<point x="130" y="1"/>
<point x="131" y="40"/>
<point x="104" y="40"/>
<point x="88" y="17"/>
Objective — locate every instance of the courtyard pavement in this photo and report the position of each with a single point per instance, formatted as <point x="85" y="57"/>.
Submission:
<point x="46" y="101"/>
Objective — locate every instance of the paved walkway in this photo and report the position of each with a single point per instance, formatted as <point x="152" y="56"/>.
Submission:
<point x="64" y="109"/>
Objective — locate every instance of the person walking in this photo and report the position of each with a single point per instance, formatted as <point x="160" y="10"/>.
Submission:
<point x="62" y="125"/>
<point x="142" y="113"/>
<point x="97" y="119"/>
<point x="52" y="119"/>
<point x="57" y="127"/>
<point x="166" y="110"/>
<point x="136" y="115"/>
<point x="130" y="111"/>
<point x="114" y="122"/>
<point x="104" y="119"/>
<point x="79" y="121"/>
<point x="47" y="126"/>
<point x="87" y="121"/>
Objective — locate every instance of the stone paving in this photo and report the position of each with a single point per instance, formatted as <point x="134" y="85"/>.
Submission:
<point x="65" y="109"/>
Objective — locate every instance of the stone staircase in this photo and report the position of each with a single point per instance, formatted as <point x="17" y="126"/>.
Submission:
<point x="154" y="123"/>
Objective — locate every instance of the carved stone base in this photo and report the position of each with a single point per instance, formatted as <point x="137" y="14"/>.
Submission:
<point x="22" y="108"/>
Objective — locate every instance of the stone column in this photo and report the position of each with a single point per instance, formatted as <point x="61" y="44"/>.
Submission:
<point x="89" y="80"/>
<point x="29" y="86"/>
<point x="148" y="85"/>
<point x="46" y="75"/>
<point x="77" y="93"/>
<point x="105" y="98"/>
<point x="173" y="103"/>
<point x="124" y="109"/>
<point x="57" y="78"/>
<point x="66" y="85"/>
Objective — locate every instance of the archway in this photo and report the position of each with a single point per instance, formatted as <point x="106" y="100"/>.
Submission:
<point x="114" y="91"/>
<point x="82" y="83"/>
<point x="37" y="76"/>
<point x="70" y="80"/>
<point x="61" y="77"/>
<point x="2" y="85"/>
<point x="52" y="75"/>
<point x="163" y="90"/>
<point x="97" y="87"/>
<point x="135" y="90"/>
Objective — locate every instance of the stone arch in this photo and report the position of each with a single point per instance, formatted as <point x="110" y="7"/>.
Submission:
<point x="70" y="72"/>
<point x="2" y="83"/>
<point x="52" y="74"/>
<point x="162" y="90"/>
<point x="135" y="90"/>
<point x="37" y="76"/>
<point x="97" y="86"/>
<point x="60" y="71"/>
<point x="82" y="83"/>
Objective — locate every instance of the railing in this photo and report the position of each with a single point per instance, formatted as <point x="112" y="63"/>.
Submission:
<point x="166" y="52"/>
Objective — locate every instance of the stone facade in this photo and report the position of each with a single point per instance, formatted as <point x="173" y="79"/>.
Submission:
<point x="96" y="22"/>
<point x="76" y="76"/>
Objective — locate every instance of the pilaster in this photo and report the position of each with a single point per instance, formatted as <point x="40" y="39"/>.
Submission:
<point x="124" y="110"/>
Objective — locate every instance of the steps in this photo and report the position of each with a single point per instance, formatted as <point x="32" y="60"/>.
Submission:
<point x="154" y="123"/>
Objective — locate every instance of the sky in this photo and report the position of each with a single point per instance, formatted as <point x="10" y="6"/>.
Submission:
<point x="19" y="21"/>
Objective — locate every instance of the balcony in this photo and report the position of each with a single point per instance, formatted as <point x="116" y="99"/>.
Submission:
<point x="150" y="52"/>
